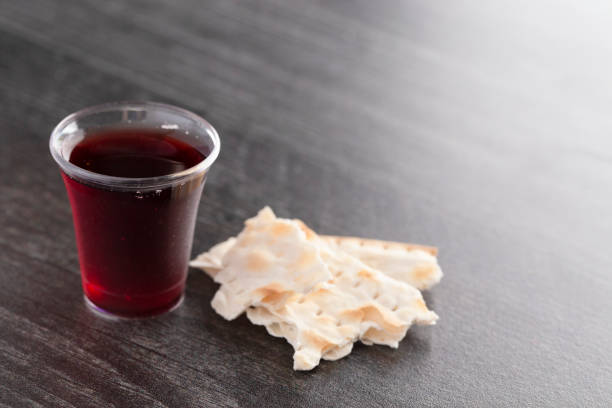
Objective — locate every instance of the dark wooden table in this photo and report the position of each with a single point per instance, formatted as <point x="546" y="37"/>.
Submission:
<point x="482" y="128"/>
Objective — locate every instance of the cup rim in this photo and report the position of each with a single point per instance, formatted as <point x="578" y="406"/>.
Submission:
<point x="129" y="183"/>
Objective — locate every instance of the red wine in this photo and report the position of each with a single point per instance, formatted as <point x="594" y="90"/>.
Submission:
<point x="134" y="153"/>
<point x="134" y="246"/>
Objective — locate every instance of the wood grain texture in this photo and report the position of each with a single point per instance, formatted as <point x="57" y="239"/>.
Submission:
<point x="480" y="127"/>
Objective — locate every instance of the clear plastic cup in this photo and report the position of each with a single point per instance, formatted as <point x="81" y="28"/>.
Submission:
<point x="134" y="234"/>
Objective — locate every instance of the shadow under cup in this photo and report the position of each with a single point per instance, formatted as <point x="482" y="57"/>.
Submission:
<point x="134" y="235"/>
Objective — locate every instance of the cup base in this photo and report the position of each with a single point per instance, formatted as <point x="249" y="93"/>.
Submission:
<point x="108" y="315"/>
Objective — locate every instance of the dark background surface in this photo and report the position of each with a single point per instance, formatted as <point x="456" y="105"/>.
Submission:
<point x="482" y="128"/>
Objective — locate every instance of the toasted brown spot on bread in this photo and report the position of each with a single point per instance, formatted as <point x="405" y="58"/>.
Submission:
<point x="317" y="293"/>
<point x="420" y="304"/>
<point x="258" y="260"/>
<point x="306" y="259"/>
<point x="281" y="228"/>
<point x="423" y="272"/>
<point x="372" y="312"/>
<point x="364" y="273"/>
<point x="272" y="293"/>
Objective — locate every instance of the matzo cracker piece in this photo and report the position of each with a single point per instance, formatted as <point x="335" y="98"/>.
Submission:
<point x="317" y="296"/>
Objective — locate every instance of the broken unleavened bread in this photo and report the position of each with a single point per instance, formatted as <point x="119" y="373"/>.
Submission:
<point x="313" y="291"/>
